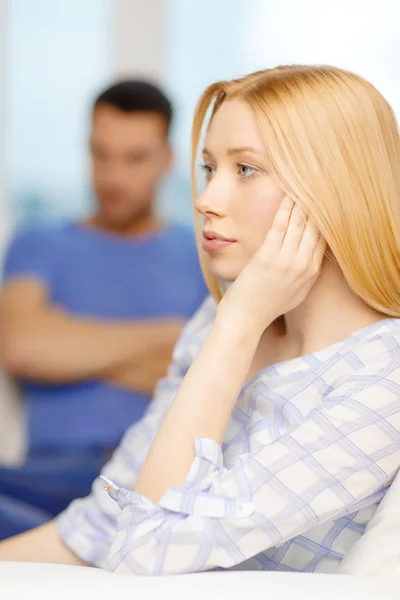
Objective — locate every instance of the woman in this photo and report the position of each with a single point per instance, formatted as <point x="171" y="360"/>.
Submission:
<point x="278" y="426"/>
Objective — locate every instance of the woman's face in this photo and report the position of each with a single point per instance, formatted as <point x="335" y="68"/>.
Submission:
<point x="240" y="198"/>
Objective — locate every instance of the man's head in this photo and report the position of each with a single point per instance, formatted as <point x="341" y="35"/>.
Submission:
<point x="130" y="150"/>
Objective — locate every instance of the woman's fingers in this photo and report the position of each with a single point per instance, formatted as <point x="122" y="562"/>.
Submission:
<point x="319" y="253"/>
<point x="294" y="233"/>
<point x="308" y="242"/>
<point x="277" y="233"/>
<point x="293" y="239"/>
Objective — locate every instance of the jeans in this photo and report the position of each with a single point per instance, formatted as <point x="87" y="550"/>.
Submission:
<point x="45" y="485"/>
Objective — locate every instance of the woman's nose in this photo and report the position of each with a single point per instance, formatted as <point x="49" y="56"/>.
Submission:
<point x="211" y="202"/>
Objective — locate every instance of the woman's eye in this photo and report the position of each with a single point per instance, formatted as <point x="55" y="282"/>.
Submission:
<point x="245" y="171"/>
<point x="209" y="171"/>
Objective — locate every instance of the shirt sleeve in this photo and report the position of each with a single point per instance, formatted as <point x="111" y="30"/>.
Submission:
<point x="31" y="254"/>
<point x="335" y="462"/>
<point x="88" y="525"/>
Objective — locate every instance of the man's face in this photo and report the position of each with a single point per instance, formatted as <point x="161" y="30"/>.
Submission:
<point x="130" y="155"/>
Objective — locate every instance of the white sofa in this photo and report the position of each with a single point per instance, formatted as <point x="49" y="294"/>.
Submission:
<point x="20" y="581"/>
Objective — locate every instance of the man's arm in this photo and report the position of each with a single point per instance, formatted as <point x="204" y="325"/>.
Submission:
<point x="39" y="341"/>
<point x="42" y="544"/>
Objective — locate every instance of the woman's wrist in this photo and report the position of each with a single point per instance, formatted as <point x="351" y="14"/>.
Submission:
<point x="240" y="317"/>
<point x="238" y="325"/>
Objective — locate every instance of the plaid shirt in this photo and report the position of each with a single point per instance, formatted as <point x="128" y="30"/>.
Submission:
<point x="309" y="451"/>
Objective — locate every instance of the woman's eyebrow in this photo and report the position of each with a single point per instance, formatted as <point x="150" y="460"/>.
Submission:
<point x="207" y="152"/>
<point x="234" y="151"/>
<point x="241" y="150"/>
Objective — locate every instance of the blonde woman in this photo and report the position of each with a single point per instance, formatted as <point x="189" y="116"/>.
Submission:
<point x="277" y="432"/>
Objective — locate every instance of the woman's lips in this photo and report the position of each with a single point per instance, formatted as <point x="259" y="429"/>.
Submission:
<point x="213" y="242"/>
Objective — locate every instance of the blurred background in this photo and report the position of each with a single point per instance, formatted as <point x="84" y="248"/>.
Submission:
<point x="56" y="55"/>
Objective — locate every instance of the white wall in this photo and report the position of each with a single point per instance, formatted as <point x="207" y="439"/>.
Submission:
<point x="359" y="35"/>
<point x="139" y="29"/>
<point x="209" y="40"/>
<point x="59" y="55"/>
<point x="5" y="216"/>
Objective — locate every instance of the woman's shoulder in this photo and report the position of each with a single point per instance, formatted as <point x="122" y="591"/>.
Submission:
<point x="377" y="343"/>
<point x="370" y="360"/>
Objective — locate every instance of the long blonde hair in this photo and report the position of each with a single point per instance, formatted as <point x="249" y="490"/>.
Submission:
<point x="332" y="143"/>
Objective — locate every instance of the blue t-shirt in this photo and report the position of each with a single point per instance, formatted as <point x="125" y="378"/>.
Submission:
<point x="94" y="274"/>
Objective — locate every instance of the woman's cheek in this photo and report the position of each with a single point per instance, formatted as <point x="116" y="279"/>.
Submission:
<point x="261" y="217"/>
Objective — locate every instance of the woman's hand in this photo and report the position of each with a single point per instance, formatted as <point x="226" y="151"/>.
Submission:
<point x="281" y="273"/>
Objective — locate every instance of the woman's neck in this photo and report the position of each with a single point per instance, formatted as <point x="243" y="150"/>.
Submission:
<point x="330" y="313"/>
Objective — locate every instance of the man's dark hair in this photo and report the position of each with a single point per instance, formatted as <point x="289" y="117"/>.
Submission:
<point x="133" y="96"/>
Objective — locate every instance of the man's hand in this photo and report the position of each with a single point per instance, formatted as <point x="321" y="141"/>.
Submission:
<point x="142" y="375"/>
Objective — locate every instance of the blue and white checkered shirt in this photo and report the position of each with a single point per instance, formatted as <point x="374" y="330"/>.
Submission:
<point x="311" y="446"/>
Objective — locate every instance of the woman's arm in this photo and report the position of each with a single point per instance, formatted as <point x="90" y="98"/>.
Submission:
<point x="202" y="406"/>
<point x="287" y="263"/>
<point x="42" y="544"/>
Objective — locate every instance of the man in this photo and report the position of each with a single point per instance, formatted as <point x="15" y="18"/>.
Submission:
<point x="90" y="311"/>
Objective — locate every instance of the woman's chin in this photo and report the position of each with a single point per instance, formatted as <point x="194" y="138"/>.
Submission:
<point x="224" y="272"/>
